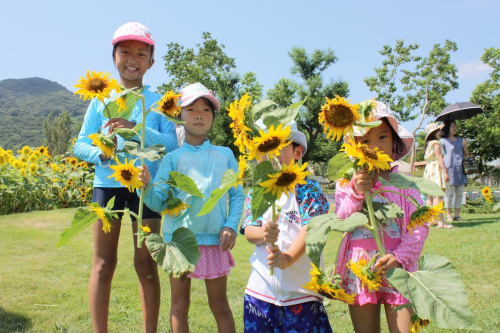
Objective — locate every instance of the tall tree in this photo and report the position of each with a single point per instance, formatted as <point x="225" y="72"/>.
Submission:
<point x="483" y="131"/>
<point x="310" y="68"/>
<point x="210" y="66"/>
<point x="58" y="132"/>
<point x="422" y="89"/>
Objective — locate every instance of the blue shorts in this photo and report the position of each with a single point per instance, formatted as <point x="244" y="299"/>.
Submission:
<point x="262" y="317"/>
<point x="122" y="197"/>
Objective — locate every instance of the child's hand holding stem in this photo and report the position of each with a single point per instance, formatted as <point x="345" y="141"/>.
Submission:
<point x="144" y="176"/>
<point x="387" y="262"/>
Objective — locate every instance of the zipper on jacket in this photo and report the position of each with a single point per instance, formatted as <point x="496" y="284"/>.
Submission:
<point x="206" y="194"/>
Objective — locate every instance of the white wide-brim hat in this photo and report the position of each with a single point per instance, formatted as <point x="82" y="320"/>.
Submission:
<point x="382" y="111"/>
<point x="431" y="128"/>
<point x="296" y="136"/>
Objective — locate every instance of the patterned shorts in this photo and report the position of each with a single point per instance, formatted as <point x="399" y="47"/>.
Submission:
<point x="263" y="317"/>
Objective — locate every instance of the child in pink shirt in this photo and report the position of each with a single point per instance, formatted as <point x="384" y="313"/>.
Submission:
<point x="403" y="249"/>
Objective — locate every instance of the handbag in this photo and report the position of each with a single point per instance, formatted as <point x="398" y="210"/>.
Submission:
<point x="470" y="165"/>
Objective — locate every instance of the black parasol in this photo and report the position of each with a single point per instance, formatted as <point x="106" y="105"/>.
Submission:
<point x="459" y="111"/>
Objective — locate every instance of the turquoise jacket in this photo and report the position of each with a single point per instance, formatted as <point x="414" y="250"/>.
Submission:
<point x="205" y="164"/>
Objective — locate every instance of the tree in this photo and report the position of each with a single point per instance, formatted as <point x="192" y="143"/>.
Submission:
<point x="210" y="66"/>
<point x="58" y="132"/>
<point x="483" y="131"/>
<point x="310" y="69"/>
<point x="423" y="89"/>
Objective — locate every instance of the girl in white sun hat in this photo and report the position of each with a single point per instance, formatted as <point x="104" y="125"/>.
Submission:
<point x="133" y="50"/>
<point x="403" y="249"/>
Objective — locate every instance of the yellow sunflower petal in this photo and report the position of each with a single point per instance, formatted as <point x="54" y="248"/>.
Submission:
<point x="373" y="158"/>
<point x="423" y="215"/>
<point x="338" y="117"/>
<point x="169" y="104"/>
<point x="285" y="181"/>
<point x="127" y="174"/>
<point x="96" y="85"/>
<point x="269" y="143"/>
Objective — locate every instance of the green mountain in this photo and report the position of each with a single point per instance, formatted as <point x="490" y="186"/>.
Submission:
<point x="26" y="103"/>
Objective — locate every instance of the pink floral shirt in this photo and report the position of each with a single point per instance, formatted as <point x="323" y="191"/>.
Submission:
<point x="408" y="252"/>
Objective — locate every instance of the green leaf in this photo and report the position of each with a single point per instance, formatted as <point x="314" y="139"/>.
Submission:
<point x="496" y="207"/>
<point x="385" y="211"/>
<point x="436" y="292"/>
<point x="152" y="153"/>
<point x="229" y="178"/>
<point x="400" y="180"/>
<point x="120" y="94"/>
<point x="126" y="133"/>
<point x="261" y="105"/>
<point x="282" y="116"/>
<point x="172" y="119"/>
<point x="336" y="163"/>
<point x="178" y="257"/>
<point x="82" y="219"/>
<point x="347" y="168"/>
<point x="184" y="183"/>
<point x="111" y="203"/>
<point x="319" y="227"/>
<point x="260" y="201"/>
<point x="131" y="99"/>
<point x="270" y="120"/>
<point x="402" y="306"/>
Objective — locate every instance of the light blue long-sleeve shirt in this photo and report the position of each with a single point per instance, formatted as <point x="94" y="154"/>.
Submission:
<point x="159" y="130"/>
<point x="205" y="164"/>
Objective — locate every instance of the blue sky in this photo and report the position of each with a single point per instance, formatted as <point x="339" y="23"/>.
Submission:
<point x="60" y="40"/>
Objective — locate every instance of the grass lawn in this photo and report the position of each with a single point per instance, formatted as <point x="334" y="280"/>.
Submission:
<point x="45" y="290"/>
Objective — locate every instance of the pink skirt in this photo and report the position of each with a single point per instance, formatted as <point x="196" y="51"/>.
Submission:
<point x="213" y="263"/>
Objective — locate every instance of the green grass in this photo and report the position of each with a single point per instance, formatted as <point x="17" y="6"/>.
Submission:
<point x="45" y="290"/>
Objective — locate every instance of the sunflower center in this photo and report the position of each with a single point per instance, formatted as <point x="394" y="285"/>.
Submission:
<point x="96" y="85"/>
<point x="339" y="116"/>
<point x="370" y="153"/>
<point x="127" y="175"/>
<point x="286" y="179"/>
<point x="168" y="104"/>
<point x="269" y="144"/>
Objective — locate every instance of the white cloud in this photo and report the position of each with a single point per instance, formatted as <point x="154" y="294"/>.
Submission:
<point x="473" y="69"/>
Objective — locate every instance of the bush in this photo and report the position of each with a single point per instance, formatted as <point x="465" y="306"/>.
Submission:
<point x="478" y="206"/>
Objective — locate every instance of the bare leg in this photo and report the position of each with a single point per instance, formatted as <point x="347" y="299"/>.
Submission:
<point x="149" y="282"/>
<point x="429" y="200"/>
<point x="217" y="300"/>
<point x="179" y="305"/>
<point x="448" y="214"/>
<point x="398" y="322"/>
<point x="103" y="268"/>
<point x="366" y="318"/>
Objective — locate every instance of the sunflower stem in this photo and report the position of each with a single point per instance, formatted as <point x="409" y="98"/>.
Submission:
<point x="374" y="224"/>
<point x="274" y="220"/>
<point x="336" y="257"/>
<point x="409" y="198"/>
<point x="143" y="193"/>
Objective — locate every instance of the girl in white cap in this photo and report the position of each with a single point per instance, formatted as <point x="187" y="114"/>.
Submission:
<point x="216" y="231"/>
<point x="403" y="249"/>
<point x="133" y="49"/>
<point x="435" y="170"/>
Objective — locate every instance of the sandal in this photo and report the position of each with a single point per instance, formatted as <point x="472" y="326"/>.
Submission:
<point x="445" y="226"/>
<point x="457" y="218"/>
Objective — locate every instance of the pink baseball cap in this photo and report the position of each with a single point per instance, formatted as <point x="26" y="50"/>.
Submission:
<point x="133" y="31"/>
<point x="194" y="91"/>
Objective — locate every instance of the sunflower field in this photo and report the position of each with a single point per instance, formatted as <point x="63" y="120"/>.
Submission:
<point x="34" y="180"/>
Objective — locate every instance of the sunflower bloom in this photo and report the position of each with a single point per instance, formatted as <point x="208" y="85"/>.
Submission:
<point x="418" y="323"/>
<point x="73" y="161"/>
<point x="314" y="284"/>
<point x="55" y="168"/>
<point x="26" y="150"/>
<point x="122" y="104"/>
<point x="174" y="207"/>
<point x="338" y="117"/>
<point x="3" y="160"/>
<point x="169" y="104"/>
<point x="366" y="275"/>
<point x="242" y="166"/>
<point x="285" y="181"/>
<point x="423" y="215"/>
<point x="33" y="168"/>
<point x="269" y="143"/>
<point x="97" y="85"/>
<point x="32" y="158"/>
<point x="333" y="291"/>
<point x="487" y="193"/>
<point x="127" y="174"/>
<point x="101" y="141"/>
<point x="145" y="229"/>
<point x="83" y="196"/>
<point x="105" y="216"/>
<point x="236" y="112"/>
<point x="374" y="158"/>
<point x="23" y="172"/>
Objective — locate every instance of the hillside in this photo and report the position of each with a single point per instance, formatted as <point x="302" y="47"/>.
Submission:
<point x="26" y="103"/>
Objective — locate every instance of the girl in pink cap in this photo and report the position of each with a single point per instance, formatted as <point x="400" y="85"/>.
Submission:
<point x="403" y="249"/>
<point x="133" y="48"/>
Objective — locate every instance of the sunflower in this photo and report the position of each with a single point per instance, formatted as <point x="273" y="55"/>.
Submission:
<point x="237" y="111"/>
<point x="487" y="193"/>
<point x="169" y="104"/>
<point x="64" y="189"/>
<point x="316" y="275"/>
<point x="54" y="167"/>
<point x="83" y="165"/>
<point x="36" y="153"/>
<point x="73" y="161"/>
<point x="242" y="166"/>
<point x="83" y="196"/>
<point x="374" y="158"/>
<point x="10" y="153"/>
<point x="417" y="323"/>
<point x="24" y="159"/>
<point x="105" y="215"/>
<point x="24" y="165"/>
<point x="33" y="168"/>
<point x="64" y="203"/>
<point x="3" y="159"/>
<point x="56" y="180"/>
<point x="424" y="214"/>
<point x="145" y="229"/>
<point x="344" y="181"/>
<point x="70" y="182"/>
<point x="96" y="85"/>
<point x="82" y="189"/>
<point x="174" y="207"/>
<point x="366" y="275"/>
<point x="23" y="172"/>
<point x="338" y="116"/>
<point x="122" y="104"/>
<point x="26" y="150"/>
<point x="104" y="143"/>
<point x="286" y="180"/>
<point x="269" y="143"/>
<point x="32" y="158"/>
<point x="74" y="141"/>
<point x="126" y="174"/>
<point x="333" y="291"/>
